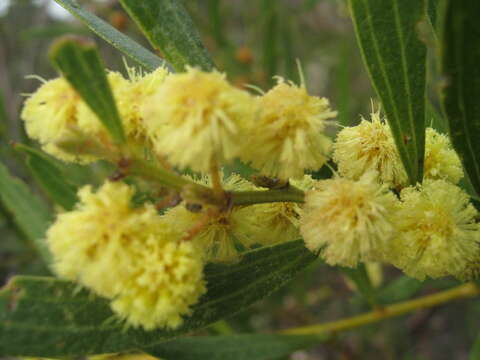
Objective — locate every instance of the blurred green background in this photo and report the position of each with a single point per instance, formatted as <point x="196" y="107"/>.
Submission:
<point x="252" y="40"/>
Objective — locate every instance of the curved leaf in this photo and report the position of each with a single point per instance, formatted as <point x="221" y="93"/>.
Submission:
<point x="395" y="58"/>
<point x="169" y="28"/>
<point x="114" y="37"/>
<point x="80" y="63"/>
<point x="30" y="214"/>
<point x="50" y="177"/>
<point x="48" y="317"/>
<point x="460" y="56"/>
<point x="234" y="347"/>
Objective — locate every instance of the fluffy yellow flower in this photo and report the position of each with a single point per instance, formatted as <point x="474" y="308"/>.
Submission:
<point x="129" y="255"/>
<point x="196" y="117"/>
<point x="289" y="137"/>
<point x="437" y="232"/>
<point x="349" y="221"/>
<point x="50" y="114"/>
<point x="441" y="161"/>
<point x="280" y="221"/>
<point x="142" y="86"/>
<point x="366" y="147"/>
<point x="218" y="234"/>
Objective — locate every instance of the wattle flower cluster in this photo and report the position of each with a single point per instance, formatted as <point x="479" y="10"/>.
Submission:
<point x="148" y="258"/>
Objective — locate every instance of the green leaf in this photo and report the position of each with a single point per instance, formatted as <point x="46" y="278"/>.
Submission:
<point x="475" y="352"/>
<point x="460" y="56"/>
<point x="30" y="214"/>
<point x="3" y="116"/>
<point x="360" y="278"/>
<point x="234" y="347"/>
<point x="169" y="28"/>
<point x="395" y="58"/>
<point x="81" y="65"/>
<point x="400" y="289"/>
<point x="47" y="317"/>
<point x="50" y="177"/>
<point x="114" y="37"/>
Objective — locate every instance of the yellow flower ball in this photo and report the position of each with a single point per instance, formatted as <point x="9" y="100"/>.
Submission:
<point x="441" y="161"/>
<point x="366" y="147"/>
<point x="50" y="114"/>
<point x="197" y="117"/>
<point x="129" y="255"/>
<point x="218" y="234"/>
<point x="289" y="136"/>
<point x="279" y="222"/>
<point x="437" y="232"/>
<point x="349" y="221"/>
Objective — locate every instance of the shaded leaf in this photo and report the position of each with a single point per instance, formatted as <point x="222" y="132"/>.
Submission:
<point x="48" y="317"/>
<point x="475" y="352"/>
<point x="50" y="177"/>
<point x="29" y="213"/>
<point x="460" y="56"/>
<point x="361" y="279"/>
<point x="114" y="37"/>
<point x="80" y="64"/>
<point x="395" y="58"/>
<point x="169" y="28"/>
<point x="400" y="289"/>
<point x="234" y="347"/>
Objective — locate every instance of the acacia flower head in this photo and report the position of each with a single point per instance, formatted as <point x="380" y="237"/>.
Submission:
<point x="279" y="222"/>
<point x="219" y="233"/>
<point x="198" y="117"/>
<point x="129" y="255"/>
<point x="441" y="161"/>
<point x="50" y="113"/>
<point x="289" y="136"/>
<point x="437" y="233"/>
<point x="366" y="147"/>
<point x="348" y="221"/>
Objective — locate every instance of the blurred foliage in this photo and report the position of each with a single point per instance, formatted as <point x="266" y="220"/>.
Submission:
<point x="252" y="40"/>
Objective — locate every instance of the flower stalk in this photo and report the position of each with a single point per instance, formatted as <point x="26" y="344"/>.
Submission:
<point x="460" y="292"/>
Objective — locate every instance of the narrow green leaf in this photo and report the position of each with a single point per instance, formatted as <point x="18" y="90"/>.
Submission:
<point x="50" y="177"/>
<point x="270" y="38"/>
<point x="400" y="289"/>
<point x="234" y="347"/>
<point x="3" y="116"/>
<point x="169" y="28"/>
<point x="460" y="56"/>
<point x="80" y="323"/>
<point x="81" y="65"/>
<point x="395" y="58"/>
<point x="114" y="37"/>
<point x="475" y="352"/>
<point x="360" y="278"/>
<point x="30" y="214"/>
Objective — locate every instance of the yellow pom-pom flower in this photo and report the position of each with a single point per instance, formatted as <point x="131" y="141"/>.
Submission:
<point x="370" y="146"/>
<point x="142" y="86"/>
<point x="441" y="161"/>
<point x="196" y="118"/>
<point x="366" y="147"/>
<point x="51" y="114"/>
<point x="437" y="232"/>
<point x="129" y="255"/>
<point x="289" y="136"/>
<point x="279" y="222"/>
<point x="218" y="233"/>
<point x="349" y="221"/>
